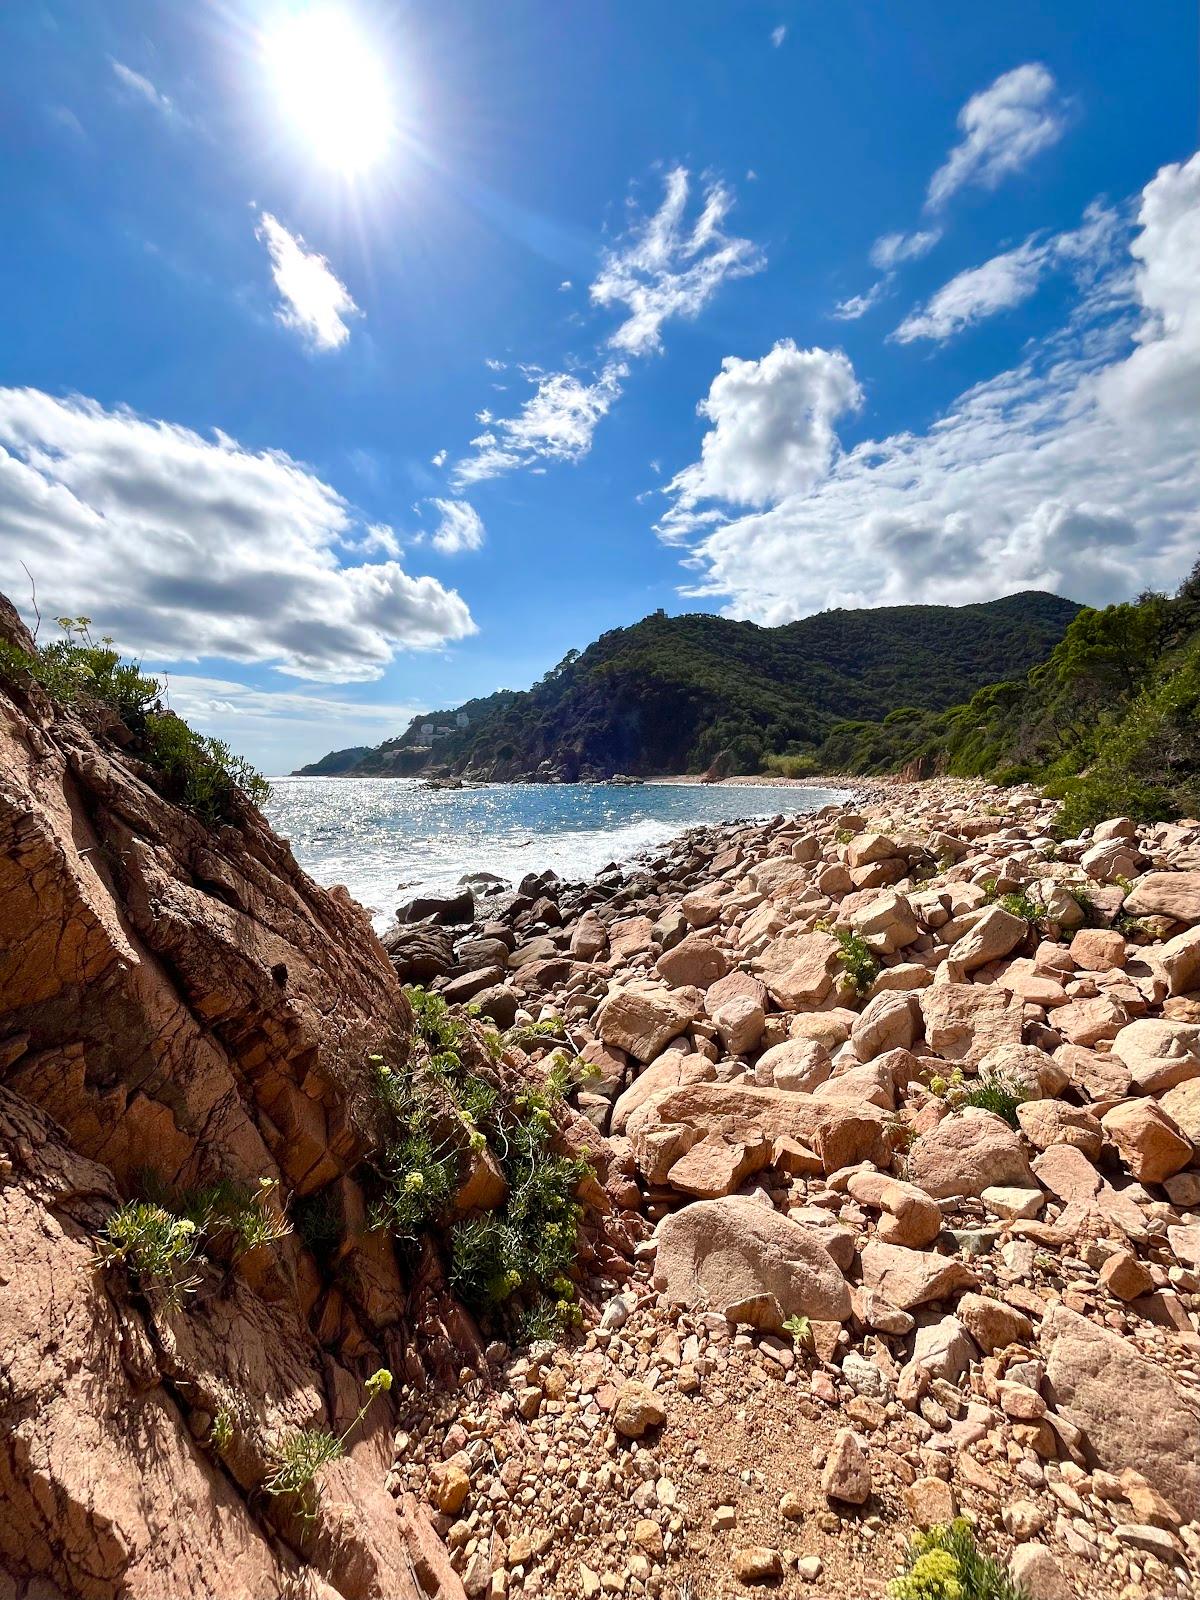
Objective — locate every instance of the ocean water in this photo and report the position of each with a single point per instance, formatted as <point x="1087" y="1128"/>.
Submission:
<point x="388" y="839"/>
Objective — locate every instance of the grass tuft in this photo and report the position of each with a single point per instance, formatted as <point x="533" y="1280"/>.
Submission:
<point x="947" y="1564"/>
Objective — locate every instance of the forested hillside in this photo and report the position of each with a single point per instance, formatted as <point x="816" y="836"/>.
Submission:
<point x="1110" y="721"/>
<point x="672" y="694"/>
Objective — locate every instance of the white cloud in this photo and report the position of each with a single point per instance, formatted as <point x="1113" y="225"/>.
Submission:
<point x="859" y="304"/>
<point x="778" y="35"/>
<point x="565" y="285"/>
<point x="556" y="423"/>
<point x="184" y="547"/>
<point x="1004" y="126"/>
<point x="144" y="90"/>
<point x="890" y="249"/>
<point x="460" y="527"/>
<point x="772" y="429"/>
<point x="316" y="302"/>
<point x="438" y="459"/>
<point x="1077" y="471"/>
<point x="669" y="266"/>
<point x="1008" y="279"/>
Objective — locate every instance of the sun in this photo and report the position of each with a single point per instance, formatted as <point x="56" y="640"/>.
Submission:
<point x="331" y="86"/>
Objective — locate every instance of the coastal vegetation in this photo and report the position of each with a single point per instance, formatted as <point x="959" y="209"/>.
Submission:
<point x="1108" y="723"/>
<point x="674" y="694"/>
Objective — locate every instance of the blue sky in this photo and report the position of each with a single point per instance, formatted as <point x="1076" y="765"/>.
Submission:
<point x="764" y="308"/>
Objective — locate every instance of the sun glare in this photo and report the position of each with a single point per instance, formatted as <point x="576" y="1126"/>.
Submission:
<point x="332" y="87"/>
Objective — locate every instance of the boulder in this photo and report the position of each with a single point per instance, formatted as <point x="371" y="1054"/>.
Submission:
<point x="912" y="1218"/>
<point x="963" y="1021"/>
<point x="1180" y="961"/>
<point x="630" y="937"/>
<point x="671" y="1071"/>
<point x="1182" y="1105"/>
<point x="720" y="1163"/>
<point x="966" y="1153"/>
<point x="909" y="1278"/>
<point x="740" y="1023"/>
<point x="637" y="1409"/>
<point x="1166" y="894"/>
<point x="642" y="1020"/>
<point x="742" y="1259"/>
<point x="886" y="924"/>
<point x="1098" y="949"/>
<point x="799" y="969"/>
<point x="1035" y="1074"/>
<point x="795" y="1064"/>
<point x="702" y="907"/>
<point x="1047" y="1122"/>
<point x="1088" y="1022"/>
<point x="694" y="961"/>
<point x="1151" y="1145"/>
<point x="1131" y="1411"/>
<point x="891" y="1021"/>
<point x="733" y="987"/>
<point x="444" y="910"/>
<point x="1159" y="1053"/>
<point x="995" y="934"/>
<point x="589" y="938"/>
<point x="943" y="1349"/>
<point x="992" y="1324"/>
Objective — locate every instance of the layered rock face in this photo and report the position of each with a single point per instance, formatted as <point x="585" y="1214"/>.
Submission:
<point x="183" y="1004"/>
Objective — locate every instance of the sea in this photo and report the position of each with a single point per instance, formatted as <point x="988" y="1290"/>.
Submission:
<point x="388" y="839"/>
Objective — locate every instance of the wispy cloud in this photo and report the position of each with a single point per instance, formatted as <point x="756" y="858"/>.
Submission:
<point x="185" y="547"/>
<point x="316" y="303"/>
<point x="459" y="528"/>
<point x="556" y="423"/>
<point x="140" y="87"/>
<point x="1077" y="470"/>
<point x="1003" y="126"/>
<point x="1015" y="275"/>
<point x="669" y="266"/>
<point x="778" y="35"/>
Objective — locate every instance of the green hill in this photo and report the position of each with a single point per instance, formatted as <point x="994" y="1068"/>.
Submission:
<point x="1110" y="721"/>
<point x="671" y="694"/>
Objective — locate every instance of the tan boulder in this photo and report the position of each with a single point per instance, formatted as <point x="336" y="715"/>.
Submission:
<point x="909" y="1278"/>
<point x="740" y="1023"/>
<point x="670" y="1071"/>
<point x="912" y="1218"/>
<point x="966" y="1153"/>
<point x="1093" y="1206"/>
<point x="1151" y="1145"/>
<point x="630" y="937"/>
<point x="795" y="1064"/>
<point x="637" y="1408"/>
<point x="891" y="1021"/>
<point x="1182" y="1105"/>
<point x="1166" y="894"/>
<point x="1124" y="1276"/>
<point x="830" y="1026"/>
<point x="1098" y="949"/>
<point x="1180" y="961"/>
<point x="1037" y="1075"/>
<point x="870" y="1085"/>
<point x="1096" y="1076"/>
<point x="694" y="961"/>
<point x="732" y="987"/>
<point x="886" y="924"/>
<point x="1131" y="1411"/>
<point x="799" y="969"/>
<point x="996" y="933"/>
<point x="589" y="937"/>
<point x="744" y="1260"/>
<point x="1087" y="1022"/>
<point x="865" y="848"/>
<point x="963" y="1021"/>
<point x="720" y="1163"/>
<point x="702" y="907"/>
<point x="992" y="1324"/>
<point x="1159" y="1053"/>
<point x="641" y="1020"/>
<point x="1047" y="1122"/>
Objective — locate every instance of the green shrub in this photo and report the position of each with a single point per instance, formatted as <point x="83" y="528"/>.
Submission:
<point x="1020" y="905"/>
<point x="995" y="1095"/>
<point x="155" y="1247"/>
<point x="947" y="1564"/>
<point x="858" y="960"/>
<point x="200" y="773"/>
<point x="221" y="1432"/>
<point x="1098" y="796"/>
<point x="300" y="1454"/>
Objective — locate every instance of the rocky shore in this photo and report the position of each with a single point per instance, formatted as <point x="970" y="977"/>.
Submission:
<point x="902" y="1099"/>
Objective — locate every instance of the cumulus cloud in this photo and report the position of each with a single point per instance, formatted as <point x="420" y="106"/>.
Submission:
<point x="1008" y="279"/>
<point x="670" y="266"/>
<point x="315" y="301"/>
<point x="772" y="429"/>
<point x="142" y="89"/>
<point x="1003" y="126"/>
<point x="185" y="547"/>
<point x="1076" y="471"/>
<point x="459" y="528"/>
<point x="556" y="423"/>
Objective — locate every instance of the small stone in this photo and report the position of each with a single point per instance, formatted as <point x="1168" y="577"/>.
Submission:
<point x="791" y="1507"/>
<point x="452" y="1488"/>
<point x="810" y="1568"/>
<point x="1037" y="1572"/>
<point x="1124" y="1276"/>
<point x="637" y="1409"/>
<point x="647" y="1535"/>
<point x="930" y="1502"/>
<point x="847" y="1472"/>
<point x="757" y="1563"/>
<point x="724" y="1518"/>
<point x="1023" y="1518"/>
